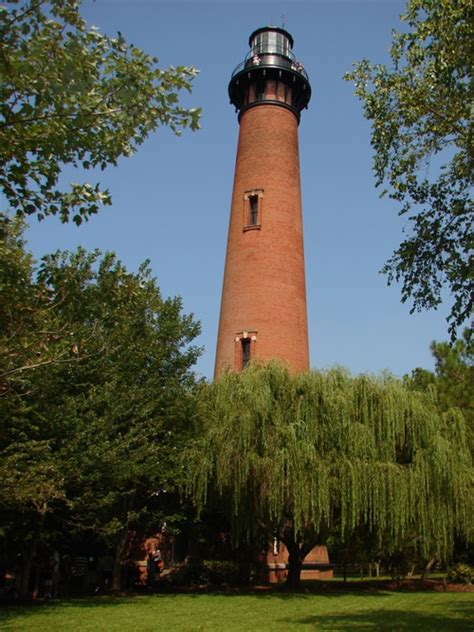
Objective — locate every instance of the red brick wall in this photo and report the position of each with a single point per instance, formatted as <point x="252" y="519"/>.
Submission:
<point x="264" y="281"/>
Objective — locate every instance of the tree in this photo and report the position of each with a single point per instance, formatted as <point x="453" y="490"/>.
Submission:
<point x="453" y="379"/>
<point x="320" y="452"/>
<point x="73" y="96"/>
<point x="93" y="442"/>
<point x="32" y="337"/>
<point x="126" y="430"/>
<point x="33" y="333"/>
<point x="422" y="138"/>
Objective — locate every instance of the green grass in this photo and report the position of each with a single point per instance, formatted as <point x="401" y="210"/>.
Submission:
<point x="380" y="610"/>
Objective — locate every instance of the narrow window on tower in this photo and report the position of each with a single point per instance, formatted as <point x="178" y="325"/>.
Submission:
<point x="253" y="210"/>
<point x="245" y="342"/>
<point x="245" y="349"/>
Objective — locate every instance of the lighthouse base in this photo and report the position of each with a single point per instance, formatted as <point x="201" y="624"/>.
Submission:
<point x="315" y="566"/>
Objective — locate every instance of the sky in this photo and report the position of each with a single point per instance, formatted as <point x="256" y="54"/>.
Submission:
<point x="171" y="200"/>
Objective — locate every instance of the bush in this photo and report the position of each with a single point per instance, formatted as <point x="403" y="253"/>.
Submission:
<point x="461" y="574"/>
<point x="217" y="573"/>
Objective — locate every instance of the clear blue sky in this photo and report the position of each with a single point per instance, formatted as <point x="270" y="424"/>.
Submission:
<point x="171" y="200"/>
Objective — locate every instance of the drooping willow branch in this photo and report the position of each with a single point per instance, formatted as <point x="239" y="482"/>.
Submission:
<point x="330" y="449"/>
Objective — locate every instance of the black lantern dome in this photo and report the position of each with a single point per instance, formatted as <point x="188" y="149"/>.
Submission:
<point x="270" y="73"/>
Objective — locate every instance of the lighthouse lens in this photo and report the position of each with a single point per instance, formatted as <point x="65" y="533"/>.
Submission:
<point x="271" y="42"/>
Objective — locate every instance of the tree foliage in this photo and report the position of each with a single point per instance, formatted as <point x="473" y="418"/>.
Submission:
<point x="33" y="334"/>
<point x="452" y="379"/>
<point x="71" y="95"/>
<point x="317" y="452"/>
<point x="89" y="437"/>
<point x="422" y="139"/>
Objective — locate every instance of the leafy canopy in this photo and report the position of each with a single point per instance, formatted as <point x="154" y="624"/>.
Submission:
<point x="422" y="139"/>
<point x="326" y="452"/>
<point x="95" y="396"/>
<point x="71" y="95"/>
<point x="33" y="332"/>
<point x="453" y="379"/>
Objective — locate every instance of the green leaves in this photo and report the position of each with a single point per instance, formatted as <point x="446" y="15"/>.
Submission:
<point x="72" y="95"/>
<point x="452" y="380"/>
<point x="329" y="453"/>
<point x="421" y="135"/>
<point x="96" y="392"/>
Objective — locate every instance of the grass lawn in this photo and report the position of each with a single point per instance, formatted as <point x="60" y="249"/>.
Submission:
<point x="267" y="610"/>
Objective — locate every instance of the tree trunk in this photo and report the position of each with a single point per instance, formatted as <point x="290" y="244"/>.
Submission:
<point x="296" y="552"/>
<point x="119" y="554"/>
<point x="344" y="571"/>
<point x="427" y="568"/>
<point x="26" y="564"/>
<point x="25" y="574"/>
<point x="295" y="563"/>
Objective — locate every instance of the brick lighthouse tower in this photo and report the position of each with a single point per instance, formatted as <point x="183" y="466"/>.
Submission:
<point x="263" y="309"/>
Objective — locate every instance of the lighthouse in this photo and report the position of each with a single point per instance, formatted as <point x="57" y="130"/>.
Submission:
<point x="263" y="307"/>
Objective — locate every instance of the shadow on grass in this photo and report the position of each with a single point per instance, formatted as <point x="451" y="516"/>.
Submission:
<point x="389" y="620"/>
<point x="456" y="616"/>
<point x="9" y="613"/>
<point x="12" y="611"/>
<point x="105" y="601"/>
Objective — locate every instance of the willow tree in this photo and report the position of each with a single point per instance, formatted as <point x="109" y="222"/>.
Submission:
<point x="308" y="454"/>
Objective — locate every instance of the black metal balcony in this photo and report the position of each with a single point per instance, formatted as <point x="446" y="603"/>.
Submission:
<point x="286" y="60"/>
